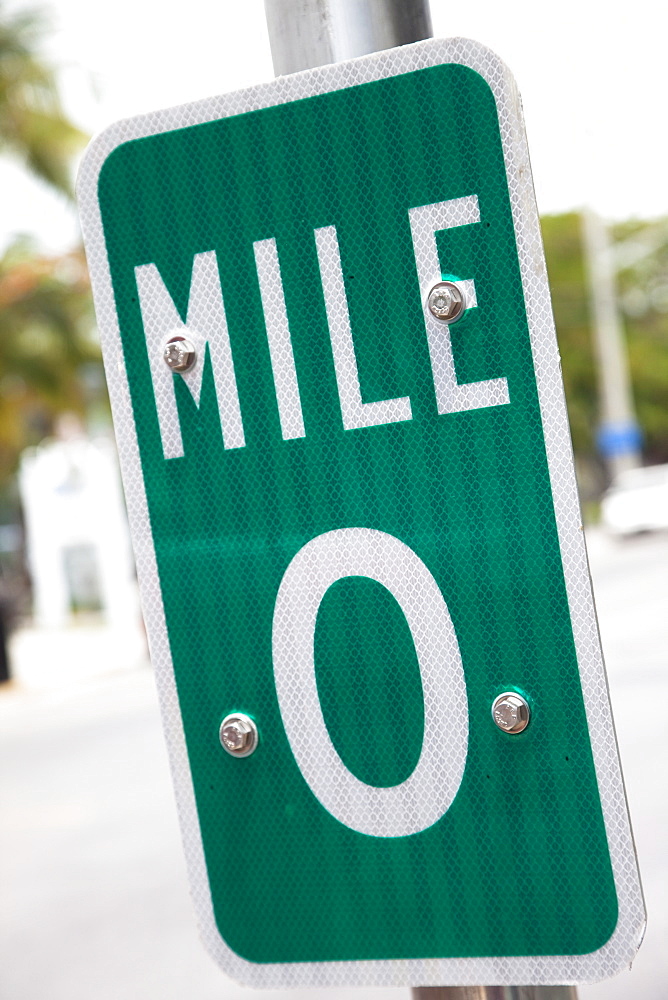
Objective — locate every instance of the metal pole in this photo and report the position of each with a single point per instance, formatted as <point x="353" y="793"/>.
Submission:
<point x="618" y="434"/>
<point x="308" y="33"/>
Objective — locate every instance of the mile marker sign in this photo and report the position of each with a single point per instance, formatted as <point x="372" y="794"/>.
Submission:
<point x="356" y="527"/>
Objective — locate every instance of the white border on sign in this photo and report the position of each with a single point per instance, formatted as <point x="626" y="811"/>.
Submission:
<point x="620" y="949"/>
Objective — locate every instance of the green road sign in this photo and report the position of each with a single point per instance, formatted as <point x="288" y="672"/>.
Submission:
<point x="356" y="526"/>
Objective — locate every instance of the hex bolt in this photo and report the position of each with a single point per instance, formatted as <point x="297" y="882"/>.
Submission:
<point x="511" y="712"/>
<point x="179" y="354"/>
<point x="446" y="301"/>
<point x="238" y="735"/>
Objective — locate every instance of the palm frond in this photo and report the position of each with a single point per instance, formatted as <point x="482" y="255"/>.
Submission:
<point x="33" y="125"/>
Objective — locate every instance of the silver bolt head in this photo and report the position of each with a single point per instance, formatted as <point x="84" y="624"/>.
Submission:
<point x="179" y="354"/>
<point x="238" y="735"/>
<point x="446" y="301"/>
<point x="511" y="712"/>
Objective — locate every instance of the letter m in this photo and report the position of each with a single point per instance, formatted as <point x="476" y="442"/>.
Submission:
<point x="205" y="326"/>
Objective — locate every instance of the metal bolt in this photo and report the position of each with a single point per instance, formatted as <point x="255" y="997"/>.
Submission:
<point x="179" y="354"/>
<point x="511" y="712"/>
<point x="238" y="735"/>
<point x="446" y="301"/>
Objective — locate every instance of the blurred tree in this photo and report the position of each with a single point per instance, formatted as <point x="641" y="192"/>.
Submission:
<point x="33" y="126"/>
<point x="47" y="356"/>
<point x="568" y="284"/>
<point x="643" y="295"/>
<point x="46" y="347"/>
<point x="37" y="301"/>
<point x="46" y="316"/>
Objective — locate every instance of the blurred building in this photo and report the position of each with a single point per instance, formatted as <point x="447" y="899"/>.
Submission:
<point x="79" y="557"/>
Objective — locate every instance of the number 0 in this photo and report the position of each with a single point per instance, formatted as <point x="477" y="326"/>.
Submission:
<point x="419" y="801"/>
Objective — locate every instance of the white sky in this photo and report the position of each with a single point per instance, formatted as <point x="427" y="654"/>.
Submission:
<point x="593" y="77"/>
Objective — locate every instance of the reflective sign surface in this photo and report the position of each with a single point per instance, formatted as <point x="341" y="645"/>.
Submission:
<point x="356" y="524"/>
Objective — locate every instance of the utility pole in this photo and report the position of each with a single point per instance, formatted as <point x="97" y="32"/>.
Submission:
<point x="618" y="432"/>
<point x="308" y="33"/>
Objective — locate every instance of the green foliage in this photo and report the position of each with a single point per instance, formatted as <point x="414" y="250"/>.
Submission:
<point x="568" y="284"/>
<point x="49" y="362"/>
<point x="33" y="125"/>
<point x="47" y="354"/>
<point x="643" y="295"/>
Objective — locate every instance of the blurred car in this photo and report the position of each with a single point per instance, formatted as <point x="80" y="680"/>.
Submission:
<point x="637" y="501"/>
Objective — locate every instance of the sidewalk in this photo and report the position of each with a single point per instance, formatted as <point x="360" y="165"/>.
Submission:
<point x="52" y="657"/>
